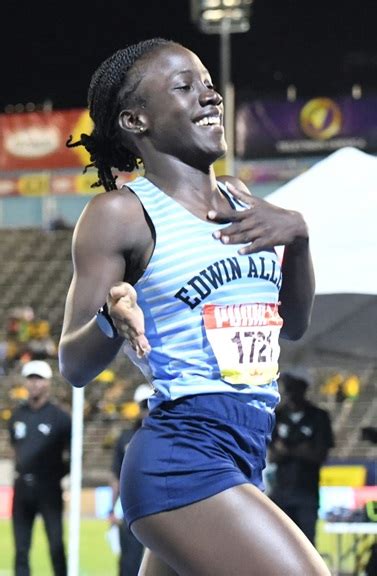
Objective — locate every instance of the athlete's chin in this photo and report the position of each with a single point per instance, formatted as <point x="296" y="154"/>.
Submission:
<point x="219" y="156"/>
<point x="217" y="152"/>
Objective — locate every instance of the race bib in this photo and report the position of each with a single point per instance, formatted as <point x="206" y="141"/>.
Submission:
<point x="245" y="341"/>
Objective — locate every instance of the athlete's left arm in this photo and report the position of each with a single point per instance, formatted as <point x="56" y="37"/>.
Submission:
<point x="297" y="289"/>
<point x="263" y="226"/>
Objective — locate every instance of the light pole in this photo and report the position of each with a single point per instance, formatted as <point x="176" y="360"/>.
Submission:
<point x="224" y="17"/>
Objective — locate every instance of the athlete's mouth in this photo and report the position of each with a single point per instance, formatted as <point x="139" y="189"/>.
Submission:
<point x="209" y="121"/>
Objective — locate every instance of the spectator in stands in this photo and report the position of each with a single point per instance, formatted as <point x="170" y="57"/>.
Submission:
<point x="19" y="322"/>
<point x="369" y="433"/>
<point x="3" y="356"/>
<point x="40" y="345"/>
<point x="59" y="223"/>
<point x="18" y="331"/>
<point x="300" y="444"/>
<point x="27" y="338"/>
<point x="131" y="550"/>
<point x="40" y="435"/>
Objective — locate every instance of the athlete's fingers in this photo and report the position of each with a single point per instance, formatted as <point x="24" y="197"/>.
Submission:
<point x="223" y="216"/>
<point x="244" y="230"/>
<point x="132" y="329"/>
<point x="256" y="246"/>
<point x="142" y="346"/>
<point x="128" y="317"/>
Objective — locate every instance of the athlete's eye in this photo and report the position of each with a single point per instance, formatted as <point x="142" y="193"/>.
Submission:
<point x="209" y="84"/>
<point x="184" y="87"/>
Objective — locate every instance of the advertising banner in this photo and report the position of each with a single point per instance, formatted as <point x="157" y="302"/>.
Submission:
<point x="55" y="183"/>
<point x="36" y="140"/>
<point x="273" y="128"/>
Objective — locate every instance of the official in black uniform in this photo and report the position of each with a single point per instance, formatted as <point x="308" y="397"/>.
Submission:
<point x="300" y="444"/>
<point x="40" y="434"/>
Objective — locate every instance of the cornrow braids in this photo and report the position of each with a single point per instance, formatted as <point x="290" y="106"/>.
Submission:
<point x="104" y="99"/>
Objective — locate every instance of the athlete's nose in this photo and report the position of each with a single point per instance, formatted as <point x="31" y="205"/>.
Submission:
<point x="210" y="96"/>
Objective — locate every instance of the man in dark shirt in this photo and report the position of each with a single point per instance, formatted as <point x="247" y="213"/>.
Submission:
<point x="40" y="434"/>
<point x="300" y="443"/>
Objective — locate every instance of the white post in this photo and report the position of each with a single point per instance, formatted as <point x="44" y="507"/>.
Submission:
<point x="75" y="482"/>
<point x="229" y="126"/>
<point x="49" y="210"/>
<point x="227" y="91"/>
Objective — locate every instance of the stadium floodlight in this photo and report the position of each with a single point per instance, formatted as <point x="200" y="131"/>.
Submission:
<point x="210" y="15"/>
<point x="224" y="17"/>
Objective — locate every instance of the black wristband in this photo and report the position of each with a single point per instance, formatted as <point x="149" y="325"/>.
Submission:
<point x="105" y="322"/>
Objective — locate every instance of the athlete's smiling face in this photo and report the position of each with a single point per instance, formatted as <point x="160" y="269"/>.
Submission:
<point x="182" y="114"/>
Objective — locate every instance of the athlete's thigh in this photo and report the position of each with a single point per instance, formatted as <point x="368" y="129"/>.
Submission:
<point x="238" y="532"/>
<point x="153" y="566"/>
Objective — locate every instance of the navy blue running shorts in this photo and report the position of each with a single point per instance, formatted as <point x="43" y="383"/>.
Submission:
<point x="191" y="449"/>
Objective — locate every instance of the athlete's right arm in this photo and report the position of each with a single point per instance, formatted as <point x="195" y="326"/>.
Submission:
<point x="108" y="231"/>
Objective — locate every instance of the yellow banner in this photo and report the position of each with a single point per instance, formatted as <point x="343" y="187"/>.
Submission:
<point x="343" y="476"/>
<point x="34" y="185"/>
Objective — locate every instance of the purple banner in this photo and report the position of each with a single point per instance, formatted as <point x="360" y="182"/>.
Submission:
<point x="270" y="128"/>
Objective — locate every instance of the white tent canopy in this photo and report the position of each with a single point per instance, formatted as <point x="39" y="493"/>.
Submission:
<point x="338" y="198"/>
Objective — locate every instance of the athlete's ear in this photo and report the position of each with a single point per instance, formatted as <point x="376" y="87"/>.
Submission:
<point x="134" y="121"/>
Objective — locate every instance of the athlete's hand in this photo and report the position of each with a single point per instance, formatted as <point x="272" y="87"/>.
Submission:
<point x="261" y="226"/>
<point x="128" y="317"/>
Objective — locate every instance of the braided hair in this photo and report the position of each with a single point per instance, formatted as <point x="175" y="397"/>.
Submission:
<point x="110" y="87"/>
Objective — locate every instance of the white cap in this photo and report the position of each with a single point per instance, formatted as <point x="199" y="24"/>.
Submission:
<point x="142" y="392"/>
<point x="37" y="368"/>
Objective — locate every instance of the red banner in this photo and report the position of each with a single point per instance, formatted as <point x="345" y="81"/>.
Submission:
<point x="36" y="140"/>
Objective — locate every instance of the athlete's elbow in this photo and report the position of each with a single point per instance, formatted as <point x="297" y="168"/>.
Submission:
<point x="73" y="377"/>
<point x="70" y="372"/>
<point x="296" y="320"/>
<point x="293" y="335"/>
<point x="295" y="330"/>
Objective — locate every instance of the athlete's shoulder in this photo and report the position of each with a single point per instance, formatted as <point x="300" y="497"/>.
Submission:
<point x="116" y="203"/>
<point x="114" y="215"/>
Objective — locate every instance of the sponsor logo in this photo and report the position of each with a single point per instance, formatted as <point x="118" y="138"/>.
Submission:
<point x="44" y="428"/>
<point x="19" y="430"/>
<point x="321" y="118"/>
<point x="32" y="142"/>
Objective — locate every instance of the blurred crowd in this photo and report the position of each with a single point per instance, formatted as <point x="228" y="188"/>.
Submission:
<point x="28" y="337"/>
<point x="341" y="387"/>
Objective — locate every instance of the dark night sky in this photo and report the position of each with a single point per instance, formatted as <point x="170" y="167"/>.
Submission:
<point x="50" y="49"/>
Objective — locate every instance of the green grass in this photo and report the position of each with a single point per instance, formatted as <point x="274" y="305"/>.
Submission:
<point x="96" y="558"/>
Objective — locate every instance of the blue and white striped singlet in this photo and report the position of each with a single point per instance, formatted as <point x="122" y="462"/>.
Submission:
<point x="189" y="268"/>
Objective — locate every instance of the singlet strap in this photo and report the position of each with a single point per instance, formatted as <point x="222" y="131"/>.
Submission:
<point x="235" y="203"/>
